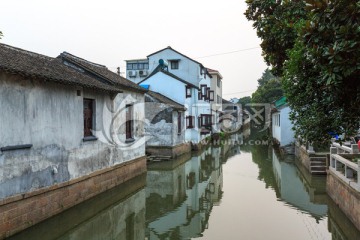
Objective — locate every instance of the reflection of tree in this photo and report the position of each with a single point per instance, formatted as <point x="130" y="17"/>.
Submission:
<point x="260" y="156"/>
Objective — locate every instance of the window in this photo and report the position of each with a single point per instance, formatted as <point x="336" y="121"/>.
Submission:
<point x="211" y="95"/>
<point x="179" y="122"/>
<point x="190" y="121"/>
<point x="205" y="120"/>
<point x="218" y="99"/>
<point x="137" y="66"/>
<point x="188" y="91"/>
<point x="89" y="121"/>
<point x="279" y="120"/>
<point x="219" y="82"/>
<point x="129" y="121"/>
<point x="203" y="91"/>
<point x="174" y="64"/>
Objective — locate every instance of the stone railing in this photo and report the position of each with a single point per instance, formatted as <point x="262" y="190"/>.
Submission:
<point x="353" y="149"/>
<point x="347" y="170"/>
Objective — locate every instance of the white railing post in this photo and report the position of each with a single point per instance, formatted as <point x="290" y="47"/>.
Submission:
<point x="354" y="148"/>
<point x="349" y="172"/>
<point x="358" y="176"/>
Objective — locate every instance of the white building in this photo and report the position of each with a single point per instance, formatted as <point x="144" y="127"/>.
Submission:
<point x="281" y="124"/>
<point x="216" y="105"/>
<point x="184" y="81"/>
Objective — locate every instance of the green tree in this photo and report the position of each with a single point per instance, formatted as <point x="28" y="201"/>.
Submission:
<point x="268" y="92"/>
<point x="317" y="54"/>
<point x="1" y="34"/>
<point x="274" y="22"/>
<point x="244" y="100"/>
<point x="269" y="88"/>
<point x="266" y="76"/>
<point x="321" y="76"/>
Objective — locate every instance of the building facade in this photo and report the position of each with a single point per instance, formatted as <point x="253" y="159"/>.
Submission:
<point x="281" y="124"/>
<point x="70" y="129"/>
<point x="184" y="81"/>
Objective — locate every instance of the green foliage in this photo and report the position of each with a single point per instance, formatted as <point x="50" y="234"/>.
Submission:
<point x="318" y="57"/>
<point x="269" y="88"/>
<point x="244" y="100"/>
<point x="268" y="93"/>
<point x="1" y="34"/>
<point x="266" y="76"/>
<point x="274" y="22"/>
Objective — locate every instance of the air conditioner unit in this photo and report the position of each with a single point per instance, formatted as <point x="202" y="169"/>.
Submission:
<point x="143" y="73"/>
<point x="132" y="73"/>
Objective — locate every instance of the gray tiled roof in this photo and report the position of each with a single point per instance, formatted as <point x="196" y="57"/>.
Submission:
<point x="37" y="66"/>
<point x="102" y="71"/>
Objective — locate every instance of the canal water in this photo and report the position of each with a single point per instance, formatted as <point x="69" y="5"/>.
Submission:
<point x="225" y="192"/>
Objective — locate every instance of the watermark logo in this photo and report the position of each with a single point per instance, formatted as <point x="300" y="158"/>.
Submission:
<point x="128" y="123"/>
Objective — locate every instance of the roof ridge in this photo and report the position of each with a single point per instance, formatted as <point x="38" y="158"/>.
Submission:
<point x="82" y="59"/>
<point x="26" y="51"/>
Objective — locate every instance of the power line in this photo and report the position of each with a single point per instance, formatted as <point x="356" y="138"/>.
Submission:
<point x="239" y="92"/>
<point x="225" y="53"/>
<point x="219" y="54"/>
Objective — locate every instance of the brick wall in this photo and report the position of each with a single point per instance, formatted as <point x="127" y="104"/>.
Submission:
<point x="169" y="151"/>
<point x="345" y="197"/>
<point x="20" y="212"/>
<point x="302" y="156"/>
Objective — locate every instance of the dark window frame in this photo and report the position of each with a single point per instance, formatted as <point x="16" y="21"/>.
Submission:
<point x="206" y="120"/>
<point x="190" y="122"/>
<point x="174" y="64"/>
<point x="188" y="92"/>
<point x="89" y="111"/>
<point x="203" y="91"/>
<point x="129" y="121"/>
<point x="179" y="123"/>
<point x="211" y="95"/>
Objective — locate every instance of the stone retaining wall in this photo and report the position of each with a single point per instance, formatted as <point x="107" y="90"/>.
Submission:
<point x="22" y="211"/>
<point x="174" y="151"/>
<point x="347" y="198"/>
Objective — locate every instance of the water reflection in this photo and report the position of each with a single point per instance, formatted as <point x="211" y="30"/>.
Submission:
<point x="116" y="214"/>
<point x="179" y="200"/>
<point x="295" y="190"/>
<point x="224" y="192"/>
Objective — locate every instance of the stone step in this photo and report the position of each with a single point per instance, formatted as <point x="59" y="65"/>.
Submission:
<point x="318" y="168"/>
<point x="318" y="172"/>
<point x="318" y="159"/>
<point x="317" y="163"/>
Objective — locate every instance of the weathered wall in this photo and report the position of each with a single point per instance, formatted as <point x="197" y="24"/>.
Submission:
<point x="22" y="211"/>
<point x="50" y="117"/>
<point x="302" y="155"/>
<point x="345" y="197"/>
<point x="162" y="124"/>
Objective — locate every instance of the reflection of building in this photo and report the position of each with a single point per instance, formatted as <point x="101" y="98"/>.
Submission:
<point x="118" y="213"/>
<point x="179" y="201"/>
<point x="294" y="190"/>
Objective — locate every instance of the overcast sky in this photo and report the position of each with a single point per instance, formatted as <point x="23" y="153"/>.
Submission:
<point x="109" y="32"/>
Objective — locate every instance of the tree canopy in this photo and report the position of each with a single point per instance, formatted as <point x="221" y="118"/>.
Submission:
<point x="317" y="55"/>
<point x="269" y="88"/>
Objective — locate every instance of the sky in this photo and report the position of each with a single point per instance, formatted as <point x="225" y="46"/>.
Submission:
<point x="215" y="33"/>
